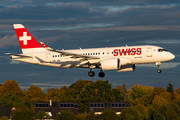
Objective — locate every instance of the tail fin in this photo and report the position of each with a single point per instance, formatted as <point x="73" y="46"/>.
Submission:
<point x="27" y="42"/>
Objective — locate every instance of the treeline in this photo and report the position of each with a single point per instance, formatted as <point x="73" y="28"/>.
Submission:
<point x="147" y="102"/>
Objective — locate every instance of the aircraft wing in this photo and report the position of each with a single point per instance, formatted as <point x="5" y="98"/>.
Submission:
<point x="73" y="55"/>
<point x="22" y="56"/>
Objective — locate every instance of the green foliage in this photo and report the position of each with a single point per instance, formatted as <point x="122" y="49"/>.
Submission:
<point x="82" y="116"/>
<point x="170" y="88"/>
<point x="42" y="115"/>
<point x="97" y="91"/>
<point x="23" y="113"/>
<point x="124" y="92"/>
<point x="9" y="99"/>
<point x="137" y="91"/>
<point x="11" y="86"/>
<point x="130" y="113"/>
<point x="4" y="118"/>
<point x="165" y="111"/>
<point x="65" y="115"/>
<point x="109" y="115"/>
<point x="91" y="116"/>
<point x="34" y="94"/>
<point x="143" y="111"/>
<point x="139" y="94"/>
<point x="147" y="103"/>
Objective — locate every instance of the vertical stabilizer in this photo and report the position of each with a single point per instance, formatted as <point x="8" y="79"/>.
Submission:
<point x="27" y="42"/>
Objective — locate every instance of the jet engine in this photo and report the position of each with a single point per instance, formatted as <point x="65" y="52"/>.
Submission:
<point x="120" y="64"/>
<point x="110" y="64"/>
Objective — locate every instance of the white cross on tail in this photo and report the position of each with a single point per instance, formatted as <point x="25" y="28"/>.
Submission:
<point x="25" y="38"/>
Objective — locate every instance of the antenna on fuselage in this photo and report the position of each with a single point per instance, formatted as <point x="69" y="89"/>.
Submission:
<point x="80" y="48"/>
<point x="126" y="45"/>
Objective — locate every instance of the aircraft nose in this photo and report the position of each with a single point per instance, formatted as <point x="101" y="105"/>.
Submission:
<point x="171" y="56"/>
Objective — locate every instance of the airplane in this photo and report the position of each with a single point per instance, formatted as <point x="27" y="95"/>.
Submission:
<point x="122" y="59"/>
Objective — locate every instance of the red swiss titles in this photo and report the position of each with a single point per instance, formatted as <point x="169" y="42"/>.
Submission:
<point x="132" y="51"/>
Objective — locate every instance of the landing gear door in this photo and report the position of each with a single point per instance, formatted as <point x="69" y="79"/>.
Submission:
<point x="149" y="52"/>
<point x="48" y="57"/>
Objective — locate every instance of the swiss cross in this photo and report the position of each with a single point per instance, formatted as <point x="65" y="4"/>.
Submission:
<point x="25" y="38"/>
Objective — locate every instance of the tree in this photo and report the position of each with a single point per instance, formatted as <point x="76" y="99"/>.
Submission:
<point x="138" y="94"/>
<point x="166" y="111"/>
<point x="52" y="94"/>
<point x="137" y="91"/>
<point x="130" y="113"/>
<point x="11" y="86"/>
<point x="65" y="115"/>
<point x="34" y="94"/>
<point x="91" y="116"/>
<point x="23" y="113"/>
<point x="109" y="115"/>
<point x="9" y="99"/>
<point x="75" y="88"/>
<point x="151" y="94"/>
<point x="170" y="88"/>
<point x="97" y="91"/>
<point x="42" y="115"/>
<point x="4" y="118"/>
<point x="124" y="92"/>
<point x="63" y="94"/>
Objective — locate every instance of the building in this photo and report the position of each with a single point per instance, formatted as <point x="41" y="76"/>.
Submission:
<point x="52" y="108"/>
<point x="100" y="106"/>
<point x="5" y="111"/>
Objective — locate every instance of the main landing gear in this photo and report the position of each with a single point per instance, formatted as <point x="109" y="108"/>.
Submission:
<point x="101" y="74"/>
<point x="158" y="64"/>
<point x="91" y="73"/>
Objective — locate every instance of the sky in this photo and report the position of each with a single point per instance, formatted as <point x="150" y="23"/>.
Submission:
<point x="64" y="24"/>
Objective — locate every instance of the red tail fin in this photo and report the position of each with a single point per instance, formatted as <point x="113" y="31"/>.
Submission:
<point x="26" y="40"/>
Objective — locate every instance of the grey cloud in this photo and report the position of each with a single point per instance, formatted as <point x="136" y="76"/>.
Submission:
<point x="8" y="40"/>
<point x="168" y="65"/>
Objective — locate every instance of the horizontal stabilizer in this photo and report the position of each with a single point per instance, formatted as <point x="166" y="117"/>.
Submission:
<point x="22" y="56"/>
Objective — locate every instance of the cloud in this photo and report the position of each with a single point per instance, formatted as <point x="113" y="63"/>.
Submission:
<point x="161" y="41"/>
<point x="8" y="40"/>
<point x="14" y="62"/>
<point x="163" y="66"/>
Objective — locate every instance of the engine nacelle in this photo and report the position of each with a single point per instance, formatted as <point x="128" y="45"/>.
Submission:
<point x="127" y="68"/>
<point x="110" y="64"/>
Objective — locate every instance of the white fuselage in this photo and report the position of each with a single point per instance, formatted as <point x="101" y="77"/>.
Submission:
<point x="131" y="54"/>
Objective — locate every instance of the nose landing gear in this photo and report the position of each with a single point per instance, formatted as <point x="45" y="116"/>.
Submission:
<point x="158" y="64"/>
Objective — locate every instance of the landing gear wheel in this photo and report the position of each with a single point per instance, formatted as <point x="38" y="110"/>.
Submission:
<point x="159" y="71"/>
<point x="101" y="74"/>
<point x="91" y="73"/>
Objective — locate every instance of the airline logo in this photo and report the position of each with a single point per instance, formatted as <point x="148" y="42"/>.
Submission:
<point x="132" y="51"/>
<point x="25" y="38"/>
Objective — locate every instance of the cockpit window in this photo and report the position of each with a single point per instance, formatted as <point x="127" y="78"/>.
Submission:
<point x="161" y="50"/>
